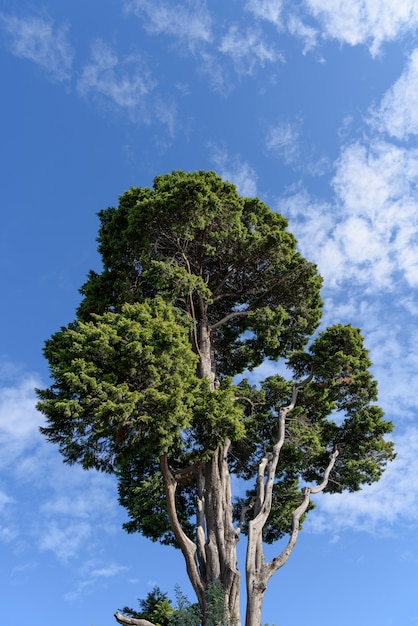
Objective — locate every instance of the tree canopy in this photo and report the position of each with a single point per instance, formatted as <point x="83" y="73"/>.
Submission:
<point x="199" y="285"/>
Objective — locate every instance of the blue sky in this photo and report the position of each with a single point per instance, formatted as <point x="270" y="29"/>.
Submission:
<point x="311" y="105"/>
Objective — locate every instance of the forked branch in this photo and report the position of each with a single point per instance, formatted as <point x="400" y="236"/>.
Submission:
<point x="280" y="560"/>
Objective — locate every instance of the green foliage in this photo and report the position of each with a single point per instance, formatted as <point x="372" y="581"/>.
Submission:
<point x="217" y="612"/>
<point x="334" y="411"/>
<point x="121" y="381"/>
<point x="185" y="613"/>
<point x="156" y="608"/>
<point x="186" y="256"/>
<point x="193" y="239"/>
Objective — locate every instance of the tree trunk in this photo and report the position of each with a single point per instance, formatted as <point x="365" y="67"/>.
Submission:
<point x="254" y="607"/>
<point x="207" y="366"/>
<point x="221" y="536"/>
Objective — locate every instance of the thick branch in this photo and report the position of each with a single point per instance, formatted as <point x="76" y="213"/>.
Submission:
<point x="280" y="560"/>
<point x="131" y="621"/>
<point x="230" y="316"/>
<point x="200" y="522"/>
<point x="265" y="490"/>
<point x="327" y="472"/>
<point x="186" y="545"/>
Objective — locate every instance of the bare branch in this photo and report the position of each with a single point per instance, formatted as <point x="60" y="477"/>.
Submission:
<point x="327" y="472"/>
<point x="297" y="387"/>
<point x="186" y="545"/>
<point x="200" y="521"/>
<point x="244" y="512"/>
<point x="230" y="316"/>
<point x="280" y="560"/>
<point x="131" y="621"/>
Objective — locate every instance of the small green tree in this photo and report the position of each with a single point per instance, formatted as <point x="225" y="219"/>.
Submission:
<point x="198" y="285"/>
<point x="156" y="608"/>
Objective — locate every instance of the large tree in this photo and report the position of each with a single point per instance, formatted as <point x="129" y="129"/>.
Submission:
<point x="198" y="286"/>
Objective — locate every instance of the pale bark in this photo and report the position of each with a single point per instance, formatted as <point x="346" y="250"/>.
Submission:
<point x="186" y="545"/>
<point x="259" y="578"/>
<point x="131" y="621"/>
<point x="221" y="536"/>
<point x="207" y="360"/>
<point x="212" y="556"/>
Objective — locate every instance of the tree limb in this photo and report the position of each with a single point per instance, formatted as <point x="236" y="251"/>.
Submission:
<point x="280" y="560"/>
<point x="131" y="621"/>
<point x="230" y="316"/>
<point x="186" y="545"/>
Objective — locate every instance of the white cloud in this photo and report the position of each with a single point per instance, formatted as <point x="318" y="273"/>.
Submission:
<point x="64" y="540"/>
<point x="382" y="507"/>
<point x="398" y="112"/>
<point x="38" y="40"/>
<point x="248" y="49"/>
<point x="92" y="576"/>
<point x="370" y="234"/>
<point x="19" y="420"/>
<point x="235" y="171"/>
<point x="4" y="501"/>
<point x="123" y="82"/>
<point x="108" y="571"/>
<point x="59" y="507"/>
<point x="369" y="22"/>
<point x="188" y="22"/>
<point x="71" y="507"/>
<point x="392" y="342"/>
<point x="165" y="110"/>
<point x="283" y="140"/>
<point x="308" y="34"/>
<point x="269" y="10"/>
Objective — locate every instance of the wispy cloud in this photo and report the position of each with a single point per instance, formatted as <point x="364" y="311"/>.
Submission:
<point x="92" y="576"/>
<point x="39" y="40"/>
<point x="189" y="23"/>
<point x="285" y="17"/>
<point x="369" y="235"/>
<point x="122" y="82"/>
<point x="305" y="32"/>
<point x="397" y="114"/>
<point x="248" y="49"/>
<point x="19" y="420"/>
<point x="74" y="506"/>
<point x="385" y="506"/>
<point x="365" y="21"/>
<point x="283" y="140"/>
<point x="64" y="540"/>
<point x="234" y="170"/>
<point x="60" y="507"/>
<point x="269" y="10"/>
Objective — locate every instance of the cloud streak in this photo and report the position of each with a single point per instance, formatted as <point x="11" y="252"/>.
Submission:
<point x="383" y="507"/>
<point x="189" y="23"/>
<point x="369" y="235"/>
<point x="248" y="49"/>
<point x="397" y="114"/>
<point x="58" y="506"/>
<point x="124" y="82"/>
<point x="365" y="21"/>
<point x="235" y="170"/>
<point x="39" y="40"/>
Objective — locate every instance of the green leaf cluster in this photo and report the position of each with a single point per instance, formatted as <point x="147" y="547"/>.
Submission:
<point x="191" y="255"/>
<point x="335" y="410"/>
<point x="195" y="241"/>
<point x="123" y="382"/>
<point x="156" y="608"/>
